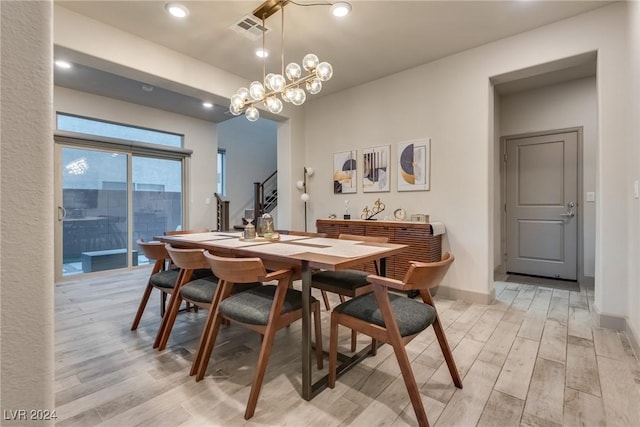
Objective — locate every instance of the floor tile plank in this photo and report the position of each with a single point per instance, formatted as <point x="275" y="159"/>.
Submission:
<point x="545" y="400"/>
<point x="516" y="373"/>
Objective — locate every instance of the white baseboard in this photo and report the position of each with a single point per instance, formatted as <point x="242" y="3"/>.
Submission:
<point x="618" y="323"/>
<point x="588" y="281"/>
<point x="609" y="321"/>
<point x="466" y="296"/>
<point x="634" y="340"/>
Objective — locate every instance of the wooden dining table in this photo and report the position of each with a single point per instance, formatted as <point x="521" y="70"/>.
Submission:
<point x="302" y="255"/>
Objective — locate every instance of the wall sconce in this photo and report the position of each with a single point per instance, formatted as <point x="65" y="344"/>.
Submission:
<point x="302" y="185"/>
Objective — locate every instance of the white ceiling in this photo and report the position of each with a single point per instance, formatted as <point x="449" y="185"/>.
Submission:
<point x="377" y="39"/>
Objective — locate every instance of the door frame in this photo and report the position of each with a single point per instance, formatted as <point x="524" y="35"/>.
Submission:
<point x="503" y="194"/>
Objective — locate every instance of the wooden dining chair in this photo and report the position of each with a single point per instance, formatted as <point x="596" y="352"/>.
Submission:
<point x="161" y="278"/>
<point x="395" y="319"/>
<point x="348" y="282"/>
<point x="195" y="272"/>
<point x="264" y="309"/>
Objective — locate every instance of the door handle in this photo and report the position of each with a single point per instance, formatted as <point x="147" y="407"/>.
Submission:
<point x="62" y="213"/>
<point x="570" y="213"/>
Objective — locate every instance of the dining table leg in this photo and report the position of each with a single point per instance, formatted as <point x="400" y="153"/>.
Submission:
<point x="306" y="332"/>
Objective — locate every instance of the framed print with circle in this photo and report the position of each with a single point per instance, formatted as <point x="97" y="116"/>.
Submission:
<point x="375" y="169"/>
<point x="414" y="160"/>
<point x="345" y="173"/>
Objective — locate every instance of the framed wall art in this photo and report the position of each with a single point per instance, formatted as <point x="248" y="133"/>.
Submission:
<point x="375" y="169"/>
<point x="345" y="173"/>
<point x="414" y="160"/>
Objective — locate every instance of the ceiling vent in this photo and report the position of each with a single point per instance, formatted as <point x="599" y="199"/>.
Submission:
<point x="250" y="27"/>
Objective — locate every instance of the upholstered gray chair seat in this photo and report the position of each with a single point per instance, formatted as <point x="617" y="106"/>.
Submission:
<point x="346" y="279"/>
<point x="165" y="279"/>
<point x="253" y="306"/>
<point x="200" y="290"/>
<point x="412" y="316"/>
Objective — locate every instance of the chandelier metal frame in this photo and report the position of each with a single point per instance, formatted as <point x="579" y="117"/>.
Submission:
<point x="274" y="89"/>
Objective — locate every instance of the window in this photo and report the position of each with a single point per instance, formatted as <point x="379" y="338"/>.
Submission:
<point x="222" y="172"/>
<point x="113" y="130"/>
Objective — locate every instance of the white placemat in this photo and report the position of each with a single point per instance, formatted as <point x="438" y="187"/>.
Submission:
<point x="202" y="237"/>
<point x="237" y="243"/>
<point x="283" y="249"/>
<point x="323" y="241"/>
<point x="346" y="251"/>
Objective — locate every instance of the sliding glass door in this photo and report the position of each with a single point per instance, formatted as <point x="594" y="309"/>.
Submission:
<point x="107" y="201"/>
<point x="94" y="211"/>
<point x="157" y="198"/>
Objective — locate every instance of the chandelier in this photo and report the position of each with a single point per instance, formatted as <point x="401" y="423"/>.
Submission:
<point x="289" y="85"/>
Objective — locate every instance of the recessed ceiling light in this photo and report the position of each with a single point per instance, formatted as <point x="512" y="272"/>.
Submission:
<point x="262" y="53"/>
<point x="207" y="104"/>
<point x="340" y="9"/>
<point x="63" y="64"/>
<point x="177" y="10"/>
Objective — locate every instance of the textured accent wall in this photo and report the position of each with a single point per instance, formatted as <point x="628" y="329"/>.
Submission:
<point x="26" y="215"/>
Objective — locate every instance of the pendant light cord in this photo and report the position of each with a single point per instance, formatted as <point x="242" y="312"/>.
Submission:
<point x="282" y="42"/>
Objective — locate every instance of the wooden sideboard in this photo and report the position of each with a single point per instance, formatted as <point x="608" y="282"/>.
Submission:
<point x="423" y="245"/>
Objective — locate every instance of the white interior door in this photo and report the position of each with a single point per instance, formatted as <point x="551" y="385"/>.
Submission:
<point x="541" y="203"/>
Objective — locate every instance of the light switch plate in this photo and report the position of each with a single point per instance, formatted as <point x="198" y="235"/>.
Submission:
<point x="591" y="196"/>
<point x="635" y="189"/>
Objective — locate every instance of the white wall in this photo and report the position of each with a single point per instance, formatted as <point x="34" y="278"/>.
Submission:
<point x="252" y="155"/>
<point x="26" y="202"/>
<point x="565" y="105"/>
<point x="633" y="300"/>
<point x="199" y="136"/>
<point x="450" y="101"/>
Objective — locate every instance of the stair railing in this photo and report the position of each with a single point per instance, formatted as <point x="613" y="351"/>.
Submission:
<point x="222" y="209"/>
<point x="266" y="194"/>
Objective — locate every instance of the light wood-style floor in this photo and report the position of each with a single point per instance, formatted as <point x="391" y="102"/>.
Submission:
<point x="532" y="358"/>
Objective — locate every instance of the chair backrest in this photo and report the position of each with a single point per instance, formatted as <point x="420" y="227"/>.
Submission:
<point x="153" y="250"/>
<point x="303" y="233"/>
<point x="192" y="231"/>
<point x="187" y="259"/>
<point x="372" y="239"/>
<point x="236" y="270"/>
<point x="426" y="275"/>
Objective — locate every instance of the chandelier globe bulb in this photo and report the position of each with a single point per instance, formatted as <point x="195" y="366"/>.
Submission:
<point x="244" y="93"/>
<point x="314" y="86"/>
<point x="252" y="114"/>
<point x="299" y="96"/>
<point x="293" y="71"/>
<point x="324" y="71"/>
<point x="274" y="105"/>
<point x="278" y="83"/>
<point x="310" y="62"/>
<point x="234" y="110"/>
<point x="267" y="81"/>
<point x="256" y="90"/>
<point x="237" y="101"/>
